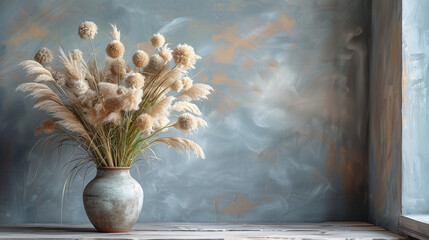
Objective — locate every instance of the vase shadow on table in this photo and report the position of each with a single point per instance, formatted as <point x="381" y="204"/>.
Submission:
<point x="44" y="229"/>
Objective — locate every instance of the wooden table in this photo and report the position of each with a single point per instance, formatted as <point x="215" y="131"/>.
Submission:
<point x="329" y="230"/>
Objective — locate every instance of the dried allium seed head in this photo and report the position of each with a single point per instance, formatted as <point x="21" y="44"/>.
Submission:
<point x="157" y="40"/>
<point x="165" y="53"/>
<point x="186" y="122"/>
<point x="60" y="78"/>
<point x="184" y="56"/>
<point x="140" y="59"/>
<point x="112" y="104"/>
<point x="115" y="49"/>
<point x="145" y="122"/>
<point x="44" y="56"/>
<point x="177" y="85"/>
<point x="187" y="83"/>
<point x="155" y="64"/>
<point x="87" y="30"/>
<point x="77" y="55"/>
<point x="134" y="80"/>
<point x="118" y="67"/>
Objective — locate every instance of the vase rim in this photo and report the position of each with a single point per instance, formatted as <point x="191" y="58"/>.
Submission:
<point x="113" y="168"/>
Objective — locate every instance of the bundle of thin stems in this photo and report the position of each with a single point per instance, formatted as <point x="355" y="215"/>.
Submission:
<point x="117" y="112"/>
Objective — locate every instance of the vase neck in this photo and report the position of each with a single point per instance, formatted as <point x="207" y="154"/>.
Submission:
<point x="113" y="171"/>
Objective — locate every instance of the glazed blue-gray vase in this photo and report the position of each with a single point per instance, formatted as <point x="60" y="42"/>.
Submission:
<point x="113" y="199"/>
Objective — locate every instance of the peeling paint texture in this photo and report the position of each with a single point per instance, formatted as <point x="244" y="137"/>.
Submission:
<point x="287" y="125"/>
<point x="385" y="114"/>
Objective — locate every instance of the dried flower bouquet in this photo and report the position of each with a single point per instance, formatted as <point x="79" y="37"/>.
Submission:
<point x="115" y="113"/>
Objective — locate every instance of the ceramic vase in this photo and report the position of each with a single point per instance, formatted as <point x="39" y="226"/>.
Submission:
<point x="113" y="199"/>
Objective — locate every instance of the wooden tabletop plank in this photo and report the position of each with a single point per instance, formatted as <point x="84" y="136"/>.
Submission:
<point x="170" y="231"/>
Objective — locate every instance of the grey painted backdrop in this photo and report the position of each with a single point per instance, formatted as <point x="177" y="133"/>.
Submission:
<point x="287" y="124"/>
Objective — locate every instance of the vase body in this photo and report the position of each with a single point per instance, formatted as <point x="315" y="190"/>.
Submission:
<point x="113" y="200"/>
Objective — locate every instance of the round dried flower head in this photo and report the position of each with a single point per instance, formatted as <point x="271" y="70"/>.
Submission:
<point x="184" y="56"/>
<point x="157" y="40"/>
<point x="77" y="55"/>
<point x="115" y="49"/>
<point x="44" y="56"/>
<point x="144" y="122"/>
<point x="140" y="59"/>
<point x="118" y="67"/>
<point x="48" y="126"/>
<point x="177" y="85"/>
<point x="155" y="64"/>
<point x="87" y="30"/>
<point x="112" y="104"/>
<point x="134" y="80"/>
<point x="187" y="83"/>
<point x="186" y="122"/>
<point x="165" y="53"/>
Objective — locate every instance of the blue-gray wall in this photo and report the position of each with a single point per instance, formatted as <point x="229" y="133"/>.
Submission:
<point x="385" y="120"/>
<point x="287" y="135"/>
<point x="415" y="107"/>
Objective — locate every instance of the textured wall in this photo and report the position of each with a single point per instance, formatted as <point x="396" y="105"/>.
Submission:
<point x="415" y="107"/>
<point x="385" y="114"/>
<point x="287" y="135"/>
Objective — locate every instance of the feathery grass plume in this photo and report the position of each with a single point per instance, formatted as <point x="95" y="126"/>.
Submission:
<point x="87" y="30"/>
<point x="35" y="68"/>
<point x="187" y="83"/>
<point x="145" y="122"/>
<point x="140" y="59"/>
<point x="134" y="80"/>
<point x="77" y="55"/>
<point x="181" y="144"/>
<point x="197" y="92"/>
<point x="73" y="69"/>
<point x="165" y="53"/>
<point x="115" y="49"/>
<point x="60" y="78"/>
<point x="113" y="104"/>
<point x="131" y="99"/>
<point x="113" y="117"/>
<point x="108" y="89"/>
<point x="50" y="102"/>
<point x="184" y="56"/>
<point x="88" y="99"/>
<point x="186" y="123"/>
<point x="47" y="126"/>
<point x="183" y="106"/>
<point x="162" y="108"/>
<point x="157" y="40"/>
<point x="44" y="56"/>
<point x="155" y="64"/>
<point x="160" y="122"/>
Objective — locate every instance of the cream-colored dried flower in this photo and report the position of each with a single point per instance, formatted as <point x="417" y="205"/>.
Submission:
<point x="155" y="64"/>
<point x="108" y="89"/>
<point x="44" y="56"/>
<point x="87" y="30"/>
<point x="184" y="56"/>
<point x="145" y="122"/>
<point x="140" y="59"/>
<point x="184" y="106"/>
<point x="115" y="49"/>
<point x="177" y="85"/>
<point x="187" y="83"/>
<point x="80" y="87"/>
<point x="47" y="126"/>
<point x="118" y="67"/>
<point x="157" y="40"/>
<point x="88" y="99"/>
<point x="112" y="104"/>
<point x="59" y="77"/>
<point x="186" y="122"/>
<point x="134" y="80"/>
<point x="197" y="92"/>
<point x="165" y="53"/>
<point x="113" y="117"/>
<point x="131" y="99"/>
<point x="77" y="55"/>
<point x="162" y="108"/>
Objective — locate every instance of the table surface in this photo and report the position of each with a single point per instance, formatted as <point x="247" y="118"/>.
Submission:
<point x="328" y="230"/>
